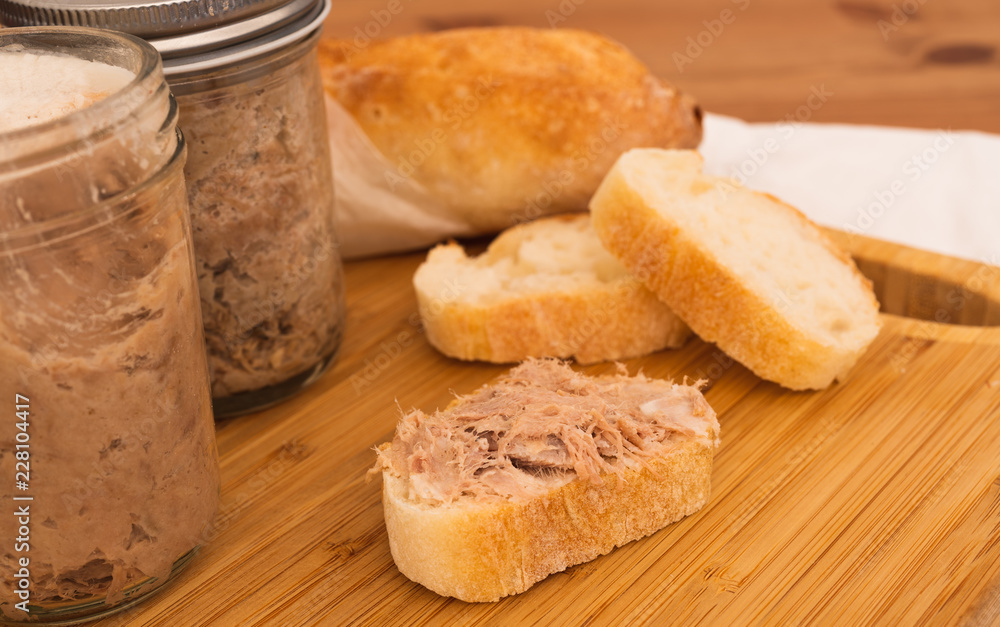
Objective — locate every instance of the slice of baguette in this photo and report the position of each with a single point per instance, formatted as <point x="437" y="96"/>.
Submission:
<point x="743" y="269"/>
<point x="542" y="470"/>
<point x="542" y="289"/>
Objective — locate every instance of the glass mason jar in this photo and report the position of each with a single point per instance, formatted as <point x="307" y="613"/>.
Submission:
<point x="260" y="187"/>
<point x="260" y="184"/>
<point x="109" y="474"/>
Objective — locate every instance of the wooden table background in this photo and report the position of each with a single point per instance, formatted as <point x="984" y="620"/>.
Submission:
<point x="931" y="64"/>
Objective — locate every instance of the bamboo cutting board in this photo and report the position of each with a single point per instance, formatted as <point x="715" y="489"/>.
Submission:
<point x="875" y="501"/>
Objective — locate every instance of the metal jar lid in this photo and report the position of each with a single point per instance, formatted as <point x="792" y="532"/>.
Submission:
<point x="190" y="35"/>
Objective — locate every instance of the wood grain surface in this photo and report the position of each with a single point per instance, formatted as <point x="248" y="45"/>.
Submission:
<point x="921" y="63"/>
<point x="876" y="501"/>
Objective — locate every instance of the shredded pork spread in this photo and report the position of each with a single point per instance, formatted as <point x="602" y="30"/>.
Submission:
<point x="539" y="427"/>
<point x="266" y="251"/>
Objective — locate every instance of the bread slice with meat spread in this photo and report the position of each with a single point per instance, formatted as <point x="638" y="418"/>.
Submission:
<point x="544" y="469"/>
<point x="542" y="289"/>
<point x="742" y="268"/>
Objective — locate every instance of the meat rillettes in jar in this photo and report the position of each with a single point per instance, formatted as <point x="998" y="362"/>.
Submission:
<point x="103" y="375"/>
<point x="260" y="185"/>
<point x="261" y="196"/>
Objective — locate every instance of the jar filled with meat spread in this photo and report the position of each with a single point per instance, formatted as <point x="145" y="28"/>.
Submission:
<point x="246" y="77"/>
<point x="109" y="477"/>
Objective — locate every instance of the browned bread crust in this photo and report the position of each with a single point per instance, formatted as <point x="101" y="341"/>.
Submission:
<point x="541" y="470"/>
<point x="486" y="553"/>
<point x="505" y="124"/>
<point x="778" y="331"/>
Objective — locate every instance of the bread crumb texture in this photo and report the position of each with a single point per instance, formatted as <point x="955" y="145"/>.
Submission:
<point x="542" y="289"/>
<point x="542" y="470"/>
<point x="742" y="268"/>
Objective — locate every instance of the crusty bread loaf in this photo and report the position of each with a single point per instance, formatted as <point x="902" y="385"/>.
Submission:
<point x="502" y="125"/>
<point x="544" y="469"/>
<point x="743" y="269"/>
<point x="542" y="289"/>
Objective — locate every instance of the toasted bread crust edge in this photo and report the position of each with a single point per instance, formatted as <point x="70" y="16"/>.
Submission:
<point x="710" y="297"/>
<point x="488" y="551"/>
<point x="617" y="321"/>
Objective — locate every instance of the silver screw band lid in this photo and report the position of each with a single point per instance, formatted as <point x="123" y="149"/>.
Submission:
<point x="190" y="35"/>
<point x="142" y="19"/>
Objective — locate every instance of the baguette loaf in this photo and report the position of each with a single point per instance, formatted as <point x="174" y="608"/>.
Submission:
<point x="743" y="269"/>
<point x="544" y="469"/>
<point x="542" y="289"/>
<point x="498" y="125"/>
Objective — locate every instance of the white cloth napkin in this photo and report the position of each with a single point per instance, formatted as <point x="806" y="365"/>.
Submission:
<point x="935" y="190"/>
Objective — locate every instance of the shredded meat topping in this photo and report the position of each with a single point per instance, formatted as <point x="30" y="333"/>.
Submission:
<point x="541" y="426"/>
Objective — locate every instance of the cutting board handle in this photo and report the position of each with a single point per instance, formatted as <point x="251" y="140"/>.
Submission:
<point x="924" y="285"/>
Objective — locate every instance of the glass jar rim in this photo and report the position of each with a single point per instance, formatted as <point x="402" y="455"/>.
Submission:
<point x="87" y="123"/>
<point x="38" y="146"/>
<point x="143" y="18"/>
<point x="190" y="35"/>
